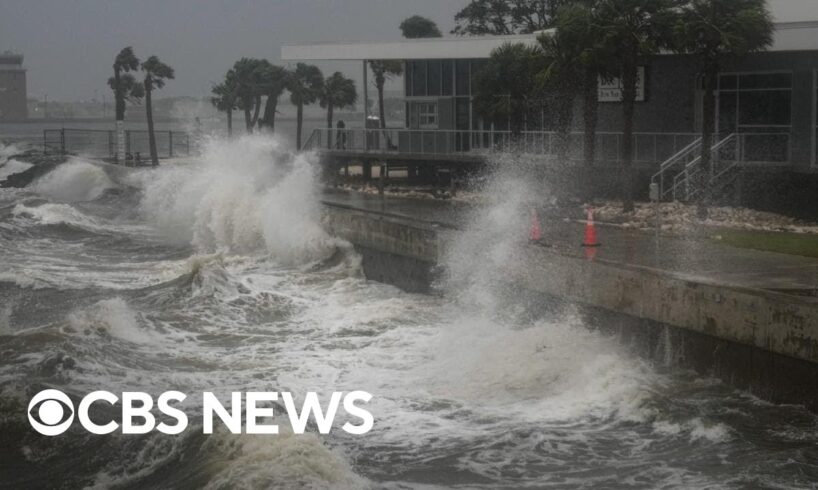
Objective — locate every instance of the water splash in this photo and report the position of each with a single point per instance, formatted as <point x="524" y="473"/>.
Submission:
<point x="244" y="195"/>
<point x="76" y="180"/>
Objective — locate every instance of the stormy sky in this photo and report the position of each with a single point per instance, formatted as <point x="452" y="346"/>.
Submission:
<point x="69" y="44"/>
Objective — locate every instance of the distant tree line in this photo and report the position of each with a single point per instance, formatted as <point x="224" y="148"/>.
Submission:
<point x="255" y="83"/>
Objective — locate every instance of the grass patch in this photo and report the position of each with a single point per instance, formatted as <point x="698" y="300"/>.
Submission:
<point x="770" y="241"/>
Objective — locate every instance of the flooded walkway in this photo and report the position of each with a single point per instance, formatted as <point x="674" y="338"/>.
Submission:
<point x="694" y="258"/>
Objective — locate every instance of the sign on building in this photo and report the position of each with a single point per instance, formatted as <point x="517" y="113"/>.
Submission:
<point x="611" y="90"/>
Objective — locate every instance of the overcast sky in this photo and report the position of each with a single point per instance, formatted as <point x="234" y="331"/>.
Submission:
<point x="69" y="45"/>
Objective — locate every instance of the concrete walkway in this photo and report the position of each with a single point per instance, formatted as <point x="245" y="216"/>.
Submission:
<point x="700" y="260"/>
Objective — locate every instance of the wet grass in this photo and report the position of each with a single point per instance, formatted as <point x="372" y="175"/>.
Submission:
<point x="770" y="241"/>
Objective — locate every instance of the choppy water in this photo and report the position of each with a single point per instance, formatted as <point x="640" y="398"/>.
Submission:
<point x="215" y="275"/>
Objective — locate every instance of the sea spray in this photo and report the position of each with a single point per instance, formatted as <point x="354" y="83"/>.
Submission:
<point x="12" y="167"/>
<point x="244" y="195"/>
<point x="495" y="350"/>
<point x="73" y="181"/>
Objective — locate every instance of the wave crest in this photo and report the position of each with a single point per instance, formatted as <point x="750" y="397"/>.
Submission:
<point x="242" y="195"/>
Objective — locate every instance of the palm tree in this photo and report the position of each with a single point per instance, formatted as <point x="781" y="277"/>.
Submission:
<point x="304" y="84"/>
<point x="715" y="31"/>
<point x="634" y="30"/>
<point x="274" y="81"/>
<point x="512" y="70"/>
<point x="578" y="22"/>
<point x="156" y="73"/>
<point x="250" y="88"/>
<point x="562" y="77"/>
<point x="224" y="98"/>
<point x="339" y="91"/>
<point x="124" y="89"/>
<point x="383" y="70"/>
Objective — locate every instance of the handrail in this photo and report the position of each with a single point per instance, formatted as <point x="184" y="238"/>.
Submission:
<point x="692" y="169"/>
<point x="672" y="160"/>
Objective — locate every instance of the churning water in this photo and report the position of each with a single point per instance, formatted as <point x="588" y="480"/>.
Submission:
<point x="214" y="274"/>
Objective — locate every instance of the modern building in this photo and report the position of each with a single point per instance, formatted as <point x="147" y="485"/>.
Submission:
<point x="767" y="115"/>
<point x="13" y="94"/>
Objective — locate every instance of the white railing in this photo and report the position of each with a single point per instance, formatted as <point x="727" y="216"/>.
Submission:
<point x="737" y="149"/>
<point x="727" y="156"/>
<point x="649" y="148"/>
<point x="681" y="159"/>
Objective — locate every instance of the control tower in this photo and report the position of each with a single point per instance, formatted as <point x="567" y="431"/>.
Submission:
<point x="13" y="95"/>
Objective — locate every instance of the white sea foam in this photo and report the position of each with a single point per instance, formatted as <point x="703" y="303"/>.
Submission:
<point x="55" y="214"/>
<point x="282" y="461"/>
<point x="242" y="195"/>
<point x="111" y="317"/>
<point x="12" y="167"/>
<point x="73" y="181"/>
<point x="7" y="151"/>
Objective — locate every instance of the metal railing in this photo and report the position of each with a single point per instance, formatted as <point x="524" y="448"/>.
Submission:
<point x="649" y="148"/>
<point x="101" y="143"/>
<point x="727" y="156"/>
<point x="681" y="159"/>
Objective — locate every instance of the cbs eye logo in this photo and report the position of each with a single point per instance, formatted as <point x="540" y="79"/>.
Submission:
<point x="50" y="412"/>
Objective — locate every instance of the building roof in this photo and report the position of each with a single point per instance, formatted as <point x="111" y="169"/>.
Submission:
<point x="789" y="36"/>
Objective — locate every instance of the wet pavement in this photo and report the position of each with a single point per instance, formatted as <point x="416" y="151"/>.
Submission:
<point x="695" y="258"/>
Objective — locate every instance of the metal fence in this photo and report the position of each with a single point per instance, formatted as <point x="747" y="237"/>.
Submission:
<point x="101" y="143"/>
<point x="648" y="148"/>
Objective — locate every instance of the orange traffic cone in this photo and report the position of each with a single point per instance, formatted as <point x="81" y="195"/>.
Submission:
<point x="535" y="233"/>
<point x="590" y="231"/>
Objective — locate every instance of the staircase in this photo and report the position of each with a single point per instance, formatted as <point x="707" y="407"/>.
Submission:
<point x="680" y="176"/>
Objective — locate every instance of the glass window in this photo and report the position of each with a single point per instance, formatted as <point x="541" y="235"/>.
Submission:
<point x="765" y="80"/>
<point x="749" y="101"/>
<point x="476" y="66"/>
<point x="427" y="115"/>
<point x="728" y="82"/>
<point x="408" y="77"/>
<point x="462" y="77"/>
<point x="728" y="105"/>
<point x="447" y="74"/>
<point x="765" y="108"/>
<point x="434" y="78"/>
<point x="419" y="78"/>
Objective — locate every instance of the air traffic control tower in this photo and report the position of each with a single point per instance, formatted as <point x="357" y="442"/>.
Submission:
<point x="13" y="95"/>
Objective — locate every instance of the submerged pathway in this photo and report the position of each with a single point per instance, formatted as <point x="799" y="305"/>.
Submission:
<point x="697" y="259"/>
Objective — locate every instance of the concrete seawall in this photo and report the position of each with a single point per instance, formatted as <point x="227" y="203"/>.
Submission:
<point x="755" y="339"/>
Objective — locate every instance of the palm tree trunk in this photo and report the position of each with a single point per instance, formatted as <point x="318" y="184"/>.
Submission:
<point x="708" y="128"/>
<point x="299" y="122"/>
<point x="329" y="125"/>
<point x="628" y="103"/>
<point x="590" y="115"/>
<point x="565" y="110"/>
<point x="256" y="111"/>
<point x="149" y="114"/>
<point x="120" y="117"/>
<point x="248" y="118"/>
<point x="381" y="110"/>
<point x="268" y="120"/>
<point x="382" y="113"/>
<point x="591" y="101"/>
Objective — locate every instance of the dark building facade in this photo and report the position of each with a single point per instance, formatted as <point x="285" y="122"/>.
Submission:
<point x="13" y="93"/>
